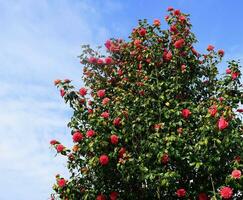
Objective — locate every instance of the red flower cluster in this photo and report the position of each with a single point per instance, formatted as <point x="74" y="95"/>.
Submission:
<point x="77" y="136"/>
<point x="104" y="159"/>
<point x="186" y="113"/>
<point x="181" y="192"/>
<point x="226" y="192"/>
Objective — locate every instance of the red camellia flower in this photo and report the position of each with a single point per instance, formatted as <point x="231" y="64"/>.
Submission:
<point x="62" y="92"/>
<point x="181" y="192"/>
<point x="210" y="47"/>
<point x="119" y="72"/>
<point x="56" y="82"/>
<point x="222" y="123"/>
<point x="108" y="44"/>
<point x="101" y="197"/>
<point x="228" y="71"/>
<point x="173" y="28"/>
<point x="59" y="148"/>
<point x="183" y="68"/>
<point x="117" y="121"/>
<point x="61" y="182"/>
<point x="182" y="18"/>
<point x="104" y="159"/>
<point x="157" y="22"/>
<point x="235" y="75"/>
<point x="165" y="158"/>
<point x="100" y="61"/>
<point x="108" y="60"/>
<point x="121" y="152"/>
<point x="202" y="196"/>
<point x="105" y="115"/>
<point x="83" y="91"/>
<point x="179" y="43"/>
<point x="101" y="93"/>
<point x="77" y="136"/>
<point x="236" y="174"/>
<point x="53" y="142"/>
<point x="221" y="99"/>
<point x="177" y="12"/>
<point x="114" y="139"/>
<point x="105" y="101"/>
<point x="240" y="110"/>
<point x="213" y="110"/>
<point x="137" y="42"/>
<point x="113" y="195"/>
<point x="186" y="113"/>
<point x="167" y="56"/>
<point x="92" y="60"/>
<point x="90" y="133"/>
<point x="170" y="8"/>
<point x="221" y="52"/>
<point x="226" y="192"/>
<point x="142" y="32"/>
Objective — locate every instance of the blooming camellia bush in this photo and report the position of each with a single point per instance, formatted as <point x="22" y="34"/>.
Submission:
<point x="155" y="120"/>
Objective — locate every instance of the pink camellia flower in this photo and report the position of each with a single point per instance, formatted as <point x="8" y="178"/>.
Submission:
<point x="157" y="22"/>
<point x="92" y="60"/>
<point x="213" y="110"/>
<point x="236" y="174"/>
<point x="117" y="121"/>
<point x="105" y="115"/>
<point x="167" y="56"/>
<point x="100" y="61"/>
<point x="108" y="60"/>
<point x="114" y="139"/>
<point x="226" y="192"/>
<point x="90" y="133"/>
<point x="61" y="182"/>
<point x="210" y="47"/>
<point x="62" y="92"/>
<point x="228" y="71"/>
<point x="186" y="113"/>
<point x="53" y="142"/>
<point x="101" y="197"/>
<point x="222" y="123"/>
<point x="113" y="195"/>
<point x="101" y="93"/>
<point x="142" y="32"/>
<point x="235" y="75"/>
<point x="60" y="148"/>
<point x="221" y="52"/>
<point x="181" y="192"/>
<point x="177" y="12"/>
<point x="83" y="91"/>
<point x="165" y="158"/>
<point x="179" y="43"/>
<point x="77" y="136"/>
<point x="203" y="196"/>
<point x="104" y="159"/>
<point x="105" y="101"/>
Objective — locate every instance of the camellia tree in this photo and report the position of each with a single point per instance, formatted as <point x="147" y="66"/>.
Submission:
<point x="154" y="120"/>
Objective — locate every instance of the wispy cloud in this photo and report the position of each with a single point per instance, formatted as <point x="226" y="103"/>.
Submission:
<point x="40" y="43"/>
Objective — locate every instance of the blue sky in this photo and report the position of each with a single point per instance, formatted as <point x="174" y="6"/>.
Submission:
<point x="40" y="41"/>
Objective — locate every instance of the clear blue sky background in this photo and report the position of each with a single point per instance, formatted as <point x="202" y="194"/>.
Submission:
<point x="40" y="41"/>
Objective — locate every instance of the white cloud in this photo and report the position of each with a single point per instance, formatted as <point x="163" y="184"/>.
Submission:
<point x="40" y="42"/>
